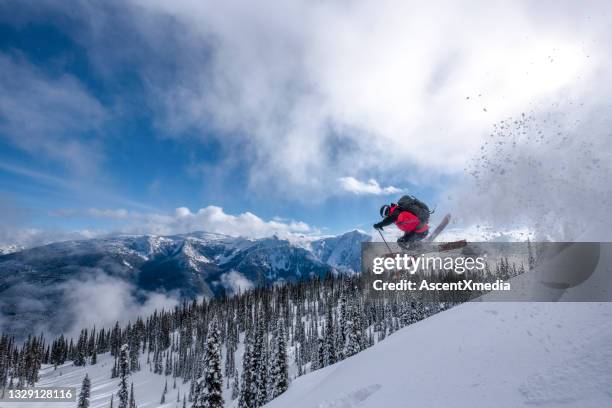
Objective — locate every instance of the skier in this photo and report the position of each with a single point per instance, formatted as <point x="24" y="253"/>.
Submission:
<point x="409" y="215"/>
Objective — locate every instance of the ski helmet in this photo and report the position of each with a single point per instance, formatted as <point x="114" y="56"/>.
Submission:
<point x="384" y="210"/>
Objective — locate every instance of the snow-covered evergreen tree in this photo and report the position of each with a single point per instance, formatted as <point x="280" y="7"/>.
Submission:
<point x="79" y="359"/>
<point x="342" y="318"/>
<point x="260" y="358"/>
<point x="354" y="339"/>
<point x="85" y="393"/>
<point x="329" y="356"/>
<point x="210" y="387"/>
<point x="247" y="396"/>
<point x="279" y="371"/>
<point x="124" y="371"/>
<point x="235" y="385"/>
<point x="94" y="357"/>
<point x="115" y="369"/>
<point x="134" y="349"/>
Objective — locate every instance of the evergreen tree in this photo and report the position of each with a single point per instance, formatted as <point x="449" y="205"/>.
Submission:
<point x="261" y="360"/>
<point x="279" y="372"/>
<point x="247" y="395"/>
<point x="94" y="357"/>
<point x="330" y="340"/>
<point x="85" y="393"/>
<point x="134" y="346"/>
<point x="81" y="349"/>
<point x="235" y="385"/>
<point x="115" y="369"/>
<point x="124" y="371"/>
<point x="354" y="339"/>
<point x="342" y="318"/>
<point x="210" y="386"/>
<point x="299" y="360"/>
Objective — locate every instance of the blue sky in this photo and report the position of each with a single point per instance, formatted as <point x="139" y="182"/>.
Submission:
<point x="123" y="157"/>
<point x="113" y="115"/>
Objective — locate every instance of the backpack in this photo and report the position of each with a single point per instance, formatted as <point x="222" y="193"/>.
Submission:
<point x="415" y="206"/>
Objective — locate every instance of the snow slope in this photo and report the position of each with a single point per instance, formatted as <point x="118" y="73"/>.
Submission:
<point x="148" y="386"/>
<point x="476" y="355"/>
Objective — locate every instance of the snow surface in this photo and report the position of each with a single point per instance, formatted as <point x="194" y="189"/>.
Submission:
<point x="476" y="355"/>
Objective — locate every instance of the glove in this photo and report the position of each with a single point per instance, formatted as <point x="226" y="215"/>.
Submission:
<point x="378" y="226"/>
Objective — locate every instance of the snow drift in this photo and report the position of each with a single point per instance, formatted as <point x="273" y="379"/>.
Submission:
<point x="476" y="355"/>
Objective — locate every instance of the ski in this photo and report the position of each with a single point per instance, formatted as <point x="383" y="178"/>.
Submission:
<point x="439" y="228"/>
<point x="447" y="246"/>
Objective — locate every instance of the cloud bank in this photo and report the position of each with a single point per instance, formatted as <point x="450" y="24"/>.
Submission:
<point x="352" y="185"/>
<point x="102" y="300"/>
<point x="212" y="219"/>
<point x="304" y="93"/>
<point x="323" y="89"/>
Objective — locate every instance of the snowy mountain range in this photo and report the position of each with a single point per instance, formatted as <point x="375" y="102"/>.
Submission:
<point x="34" y="282"/>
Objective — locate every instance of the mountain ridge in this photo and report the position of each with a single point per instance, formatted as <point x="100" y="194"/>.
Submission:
<point x="35" y="283"/>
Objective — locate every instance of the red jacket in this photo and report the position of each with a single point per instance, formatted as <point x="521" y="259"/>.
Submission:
<point x="405" y="220"/>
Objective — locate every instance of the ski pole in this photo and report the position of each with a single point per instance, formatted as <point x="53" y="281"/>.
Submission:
<point x="384" y="240"/>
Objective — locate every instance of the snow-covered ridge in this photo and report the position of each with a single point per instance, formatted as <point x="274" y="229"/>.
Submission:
<point x="9" y="249"/>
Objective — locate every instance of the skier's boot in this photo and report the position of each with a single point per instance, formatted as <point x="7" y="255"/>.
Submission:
<point x="411" y="241"/>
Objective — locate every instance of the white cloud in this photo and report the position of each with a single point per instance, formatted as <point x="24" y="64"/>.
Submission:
<point x="316" y="90"/>
<point x="102" y="300"/>
<point x="352" y="185"/>
<point x="214" y="219"/>
<point x="183" y="220"/>
<point x="235" y="282"/>
<point x="15" y="237"/>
